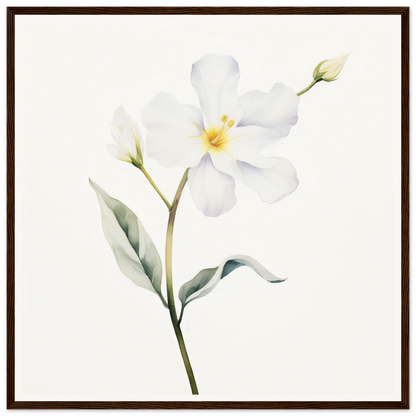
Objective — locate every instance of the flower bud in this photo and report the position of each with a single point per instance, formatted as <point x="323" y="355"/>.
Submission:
<point x="328" y="70"/>
<point x="126" y="134"/>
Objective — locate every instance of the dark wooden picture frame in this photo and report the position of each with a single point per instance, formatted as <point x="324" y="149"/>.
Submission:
<point x="11" y="401"/>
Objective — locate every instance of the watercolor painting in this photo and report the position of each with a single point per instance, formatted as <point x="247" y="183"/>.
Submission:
<point x="208" y="218"/>
<point x="224" y="141"/>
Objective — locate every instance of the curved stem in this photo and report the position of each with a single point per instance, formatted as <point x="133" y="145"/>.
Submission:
<point x="154" y="186"/>
<point x="169" y="285"/>
<point x="309" y="86"/>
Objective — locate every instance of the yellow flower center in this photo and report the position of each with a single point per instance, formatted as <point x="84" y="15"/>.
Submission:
<point x="215" y="138"/>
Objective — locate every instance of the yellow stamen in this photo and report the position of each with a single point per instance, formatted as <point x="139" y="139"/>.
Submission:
<point x="196" y="125"/>
<point x="231" y="138"/>
<point x="218" y="136"/>
<point x="215" y="139"/>
<point x="192" y="137"/>
<point x="221" y="136"/>
<point x="233" y="160"/>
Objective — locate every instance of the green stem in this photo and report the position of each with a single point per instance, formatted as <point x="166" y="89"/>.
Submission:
<point x="309" y="86"/>
<point x="169" y="284"/>
<point x="154" y="186"/>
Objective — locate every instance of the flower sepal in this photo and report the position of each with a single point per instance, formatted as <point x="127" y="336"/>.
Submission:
<point x="137" y="163"/>
<point x="317" y="75"/>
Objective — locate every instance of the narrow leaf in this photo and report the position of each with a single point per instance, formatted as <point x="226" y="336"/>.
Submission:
<point x="206" y="280"/>
<point x="135" y="253"/>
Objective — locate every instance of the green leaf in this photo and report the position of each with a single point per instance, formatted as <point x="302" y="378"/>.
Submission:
<point x="135" y="253"/>
<point x="206" y="280"/>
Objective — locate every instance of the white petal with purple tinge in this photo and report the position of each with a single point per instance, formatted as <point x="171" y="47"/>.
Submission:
<point x="215" y="79"/>
<point x="212" y="191"/>
<point x="272" y="184"/>
<point x="276" y="110"/>
<point x="172" y="131"/>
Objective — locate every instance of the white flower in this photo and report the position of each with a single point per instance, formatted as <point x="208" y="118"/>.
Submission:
<point x="223" y="142"/>
<point x="328" y="70"/>
<point x="126" y="134"/>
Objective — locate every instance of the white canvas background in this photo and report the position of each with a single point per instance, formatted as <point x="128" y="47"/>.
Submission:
<point x="331" y="332"/>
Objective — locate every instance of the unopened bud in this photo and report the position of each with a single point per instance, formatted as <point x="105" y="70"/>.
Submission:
<point x="328" y="70"/>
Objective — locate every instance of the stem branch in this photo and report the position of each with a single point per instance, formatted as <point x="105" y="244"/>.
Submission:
<point x="155" y="187"/>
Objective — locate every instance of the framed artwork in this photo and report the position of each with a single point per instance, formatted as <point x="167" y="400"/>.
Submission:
<point x="208" y="208"/>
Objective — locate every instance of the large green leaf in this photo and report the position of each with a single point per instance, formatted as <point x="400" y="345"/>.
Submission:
<point x="135" y="253"/>
<point x="206" y="280"/>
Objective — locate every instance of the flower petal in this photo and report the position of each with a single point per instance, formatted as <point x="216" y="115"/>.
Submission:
<point x="212" y="191"/>
<point x="215" y="79"/>
<point x="139" y="143"/>
<point x="120" y="118"/>
<point x="272" y="184"/>
<point x="276" y="110"/>
<point x="332" y="67"/>
<point x="172" y="131"/>
<point x="244" y="145"/>
<point x="125" y="146"/>
<point x="249" y="141"/>
<point x="121" y="121"/>
<point x="128" y="141"/>
<point x="117" y="153"/>
<point x="115" y="132"/>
